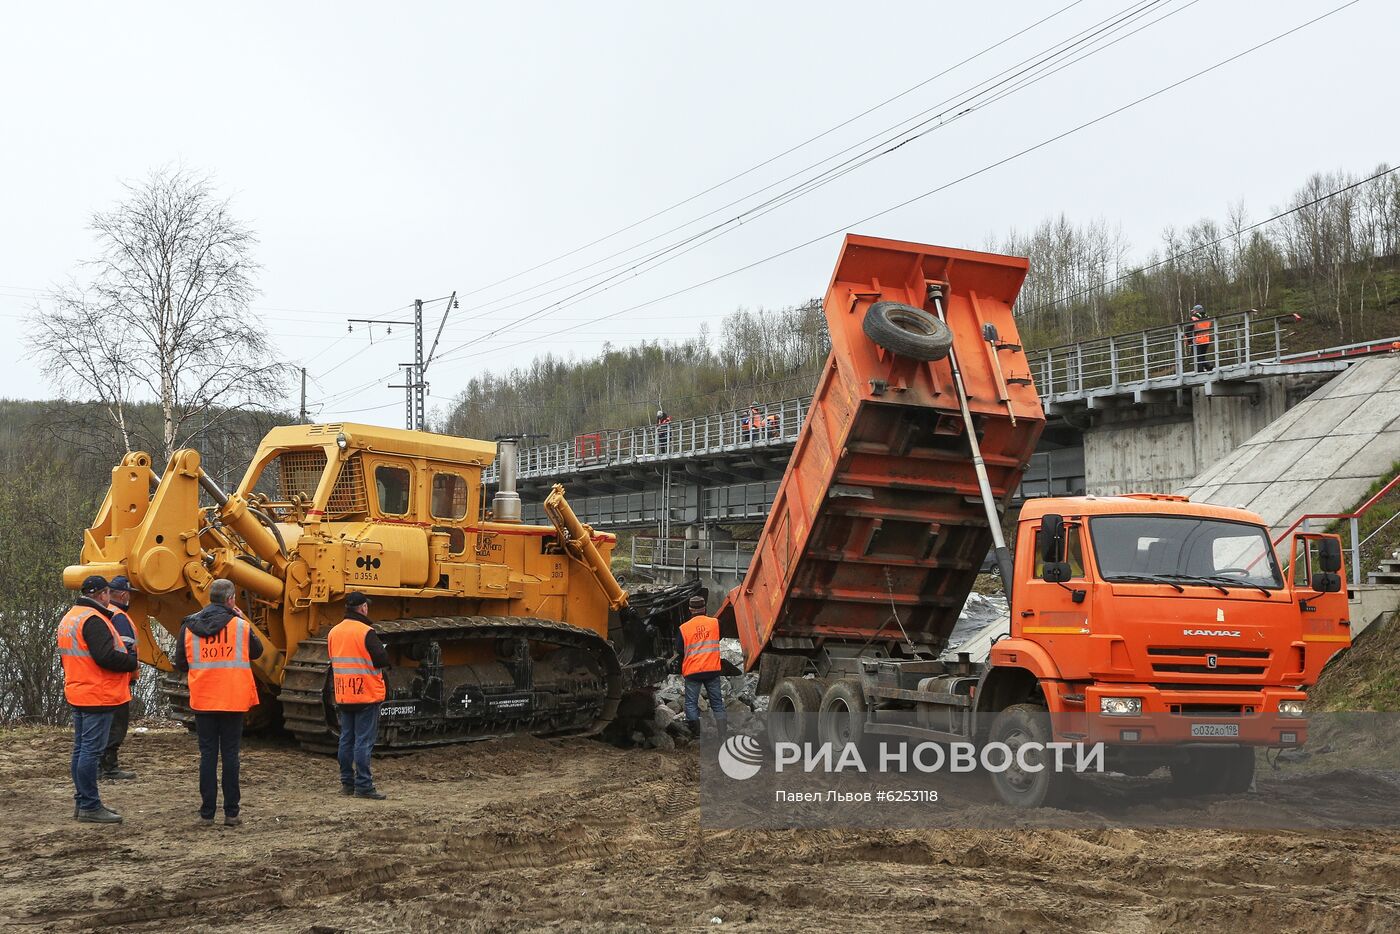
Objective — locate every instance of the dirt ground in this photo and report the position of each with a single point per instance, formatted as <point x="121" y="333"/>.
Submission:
<point x="528" y="834"/>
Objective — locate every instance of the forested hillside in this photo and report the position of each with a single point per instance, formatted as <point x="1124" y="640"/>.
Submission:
<point x="1333" y="258"/>
<point x="57" y="460"/>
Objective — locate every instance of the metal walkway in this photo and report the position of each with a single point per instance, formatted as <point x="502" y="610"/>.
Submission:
<point x="1156" y="364"/>
<point x="722" y="435"/>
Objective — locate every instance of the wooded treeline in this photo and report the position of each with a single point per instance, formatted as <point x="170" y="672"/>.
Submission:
<point x="1335" y="261"/>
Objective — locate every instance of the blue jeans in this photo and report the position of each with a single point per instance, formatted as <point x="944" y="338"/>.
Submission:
<point x="713" y="690"/>
<point x="358" y="731"/>
<point x="89" y="742"/>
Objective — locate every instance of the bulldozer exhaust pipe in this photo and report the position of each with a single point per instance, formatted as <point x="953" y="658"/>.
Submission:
<point x="505" y="505"/>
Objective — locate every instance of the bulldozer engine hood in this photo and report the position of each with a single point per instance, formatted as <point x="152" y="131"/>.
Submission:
<point x="210" y="620"/>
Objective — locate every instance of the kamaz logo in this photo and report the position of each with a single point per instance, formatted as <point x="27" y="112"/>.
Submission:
<point x="1216" y="633"/>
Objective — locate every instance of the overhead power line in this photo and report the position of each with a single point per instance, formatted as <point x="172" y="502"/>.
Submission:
<point x="786" y="152"/>
<point x="890" y="145"/>
<point x="1028" y="71"/>
<point x="940" y="188"/>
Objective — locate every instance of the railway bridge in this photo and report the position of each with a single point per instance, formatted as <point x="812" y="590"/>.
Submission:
<point x="1132" y="412"/>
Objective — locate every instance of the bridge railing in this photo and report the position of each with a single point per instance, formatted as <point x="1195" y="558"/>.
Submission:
<point x="1156" y="353"/>
<point x="695" y="555"/>
<point x="776" y="423"/>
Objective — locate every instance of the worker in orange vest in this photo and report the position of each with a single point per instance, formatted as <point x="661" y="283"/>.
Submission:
<point x="1201" y="334"/>
<point x="698" y="645"/>
<point x="96" y="681"/>
<point x="358" y="661"/>
<point x="216" y="647"/>
<point x="663" y="432"/>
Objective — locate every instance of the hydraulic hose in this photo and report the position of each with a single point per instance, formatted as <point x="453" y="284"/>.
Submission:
<point x="1003" y="555"/>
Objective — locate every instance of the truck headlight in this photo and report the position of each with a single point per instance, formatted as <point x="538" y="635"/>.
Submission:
<point x="1290" y="708"/>
<point x="1120" y="706"/>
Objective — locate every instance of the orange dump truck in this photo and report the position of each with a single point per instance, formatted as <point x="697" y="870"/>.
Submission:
<point x="1166" y="629"/>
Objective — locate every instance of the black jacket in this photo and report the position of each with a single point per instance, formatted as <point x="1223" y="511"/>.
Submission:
<point x="107" y="653"/>
<point x="208" y="622"/>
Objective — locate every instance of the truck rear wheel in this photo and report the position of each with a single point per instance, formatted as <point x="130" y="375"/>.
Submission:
<point x="792" y="710"/>
<point x="1016" y="726"/>
<point x="841" y="716"/>
<point x="908" y="331"/>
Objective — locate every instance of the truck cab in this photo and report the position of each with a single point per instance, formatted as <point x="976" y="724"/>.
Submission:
<point x="1156" y="616"/>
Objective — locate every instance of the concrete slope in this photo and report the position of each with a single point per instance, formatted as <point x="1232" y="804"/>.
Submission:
<point x="1320" y="456"/>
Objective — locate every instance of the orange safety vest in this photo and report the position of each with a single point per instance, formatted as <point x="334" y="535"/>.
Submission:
<point x="86" y="683"/>
<point x="357" y="681"/>
<point x="1200" y="331"/>
<point x="221" y="674"/>
<point x="701" y="636"/>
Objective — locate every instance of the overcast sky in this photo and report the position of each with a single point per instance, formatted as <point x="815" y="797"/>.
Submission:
<point x="389" y="152"/>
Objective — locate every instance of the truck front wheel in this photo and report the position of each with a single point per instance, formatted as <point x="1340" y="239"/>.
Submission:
<point x="1038" y="785"/>
<point x="841" y="718"/>
<point x="1225" y="770"/>
<point x="792" y="710"/>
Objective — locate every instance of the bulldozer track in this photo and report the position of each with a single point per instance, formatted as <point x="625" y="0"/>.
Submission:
<point x="176" y="694"/>
<point x="305" y="696"/>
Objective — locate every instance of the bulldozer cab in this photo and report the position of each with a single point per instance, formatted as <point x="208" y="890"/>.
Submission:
<point x="406" y="503"/>
<point x="353" y="473"/>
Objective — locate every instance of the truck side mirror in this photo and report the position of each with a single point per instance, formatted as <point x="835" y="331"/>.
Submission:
<point x="1052" y="549"/>
<point x="1326" y="582"/>
<point x="1052" y="538"/>
<point x="1329" y="556"/>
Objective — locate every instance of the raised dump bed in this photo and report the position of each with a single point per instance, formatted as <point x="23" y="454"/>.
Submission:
<point x="879" y="526"/>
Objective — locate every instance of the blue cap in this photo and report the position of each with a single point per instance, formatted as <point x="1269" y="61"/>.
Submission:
<point x="93" y="583"/>
<point x="120" y="584"/>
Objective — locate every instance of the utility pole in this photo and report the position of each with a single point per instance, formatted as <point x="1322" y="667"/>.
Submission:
<point x="415" y="382"/>
<point x="420" y="386"/>
<point x="302" y="415"/>
<point x="408" y="385"/>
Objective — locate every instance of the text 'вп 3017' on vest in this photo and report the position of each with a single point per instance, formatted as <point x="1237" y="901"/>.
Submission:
<point x="221" y="675"/>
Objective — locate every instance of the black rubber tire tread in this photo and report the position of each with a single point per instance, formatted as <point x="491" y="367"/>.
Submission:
<point x="304" y="678"/>
<point x="805" y="697"/>
<point x="1241" y="772"/>
<point x="1214" y="771"/>
<point x="848" y="692"/>
<point x="1049" y="788"/>
<point x="908" y="331"/>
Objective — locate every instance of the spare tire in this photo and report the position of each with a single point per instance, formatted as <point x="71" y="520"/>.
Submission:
<point x="908" y="331"/>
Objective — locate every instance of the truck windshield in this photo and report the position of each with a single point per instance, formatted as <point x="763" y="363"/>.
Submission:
<point x="1182" y="549"/>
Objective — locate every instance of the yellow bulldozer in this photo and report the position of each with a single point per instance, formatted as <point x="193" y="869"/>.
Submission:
<point x="493" y="626"/>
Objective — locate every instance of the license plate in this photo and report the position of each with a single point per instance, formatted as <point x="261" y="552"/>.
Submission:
<point x="1215" y="729"/>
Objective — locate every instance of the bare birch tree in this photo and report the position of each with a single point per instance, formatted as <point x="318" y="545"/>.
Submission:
<point x="164" y="314"/>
